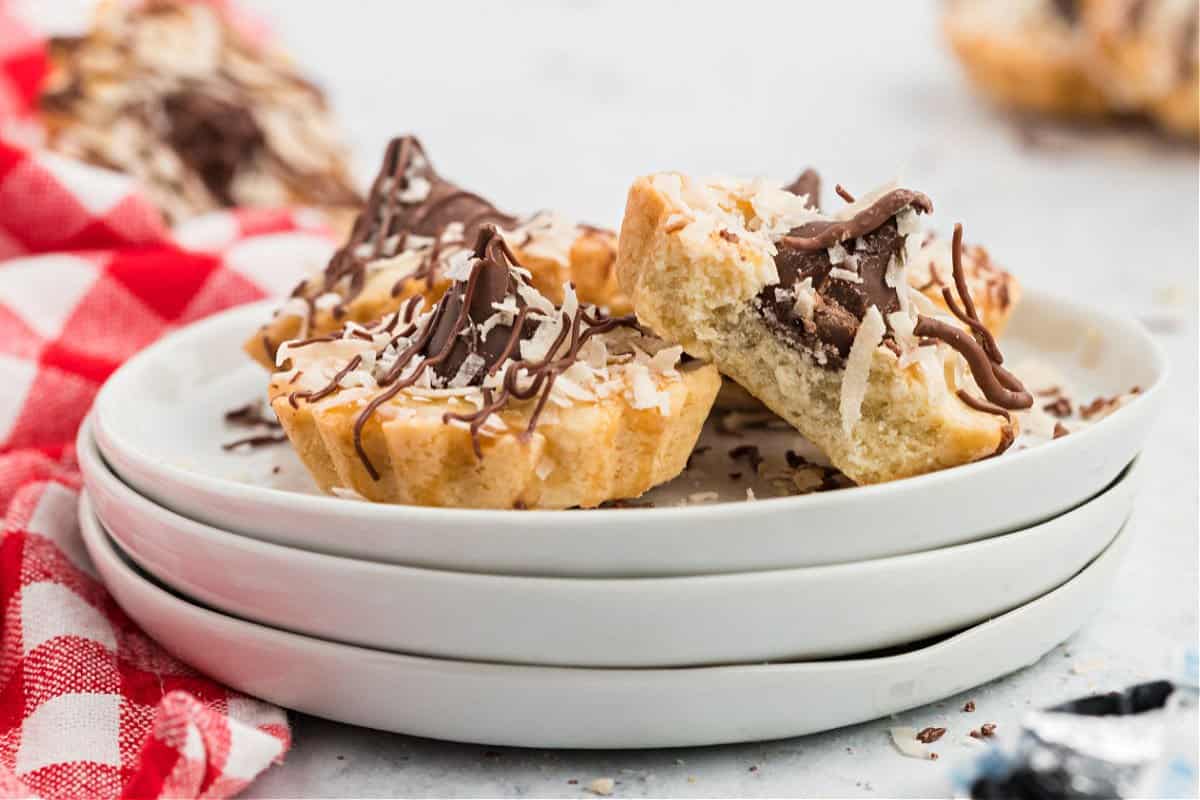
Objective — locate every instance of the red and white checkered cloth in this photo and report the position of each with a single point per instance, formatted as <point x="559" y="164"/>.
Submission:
<point x="89" y="706"/>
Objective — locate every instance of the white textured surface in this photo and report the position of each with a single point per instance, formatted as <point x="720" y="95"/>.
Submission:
<point x="561" y="105"/>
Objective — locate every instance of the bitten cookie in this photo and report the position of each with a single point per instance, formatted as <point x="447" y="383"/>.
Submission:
<point x="493" y="397"/>
<point x="172" y="94"/>
<point x="815" y="316"/>
<point x="414" y="227"/>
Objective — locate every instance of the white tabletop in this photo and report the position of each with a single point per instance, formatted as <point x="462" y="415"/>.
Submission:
<point x="561" y="105"/>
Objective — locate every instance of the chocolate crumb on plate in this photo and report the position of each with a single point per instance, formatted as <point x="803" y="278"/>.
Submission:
<point x="929" y="735"/>
<point x="969" y="707"/>
<point x="749" y="452"/>
<point x="260" y="440"/>
<point x="1061" y="407"/>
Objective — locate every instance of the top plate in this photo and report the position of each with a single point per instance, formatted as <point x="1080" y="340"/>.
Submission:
<point x="159" y="421"/>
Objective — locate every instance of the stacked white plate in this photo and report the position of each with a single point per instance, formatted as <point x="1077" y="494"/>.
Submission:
<point x="634" y="627"/>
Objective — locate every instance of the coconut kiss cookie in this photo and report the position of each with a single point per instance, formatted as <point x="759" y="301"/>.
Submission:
<point x="414" y="224"/>
<point x="172" y="94"/>
<point x="493" y="397"/>
<point x="815" y="316"/>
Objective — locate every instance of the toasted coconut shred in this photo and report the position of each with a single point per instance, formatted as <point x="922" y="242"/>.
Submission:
<point x="858" y="367"/>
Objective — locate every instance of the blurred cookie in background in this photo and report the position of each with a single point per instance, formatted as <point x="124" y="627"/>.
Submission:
<point x="175" y="95"/>
<point x="1084" y="59"/>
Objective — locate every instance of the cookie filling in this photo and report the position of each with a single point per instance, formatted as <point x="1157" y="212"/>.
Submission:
<point x="832" y="271"/>
<point x="842" y="292"/>
<point x="491" y="340"/>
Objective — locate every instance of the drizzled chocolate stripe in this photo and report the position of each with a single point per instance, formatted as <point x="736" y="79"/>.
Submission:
<point x="1000" y="387"/>
<point x="823" y="234"/>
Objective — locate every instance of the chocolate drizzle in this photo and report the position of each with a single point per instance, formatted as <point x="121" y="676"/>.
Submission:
<point x="468" y="336"/>
<point x="978" y="348"/>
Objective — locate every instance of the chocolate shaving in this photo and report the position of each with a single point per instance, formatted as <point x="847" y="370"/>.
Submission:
<point x="1059" y="408"/>
<point x="930" y="735"/>
<point x="823" y="234"/>
<point x="969" y="706"/>
<point x="258" y="440"/>
<point x="1060" y="430"/>
<point x="842" y="193"/>
<point x="750" y="453"/>
<point x="250" y="415"/>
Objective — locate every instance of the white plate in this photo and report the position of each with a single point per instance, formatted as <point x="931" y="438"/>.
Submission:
<point x="808" y="612"/>
<point x="159" y="422"/>
<point x="557" y="707"/>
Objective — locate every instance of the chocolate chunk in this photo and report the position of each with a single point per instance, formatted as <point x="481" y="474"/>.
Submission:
<point x="839" y="304"/>
<point x="491" y="281"/>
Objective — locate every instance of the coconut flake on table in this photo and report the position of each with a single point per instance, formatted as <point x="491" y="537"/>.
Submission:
<point x="858" y="367"/>
<point x="905" y="740"/>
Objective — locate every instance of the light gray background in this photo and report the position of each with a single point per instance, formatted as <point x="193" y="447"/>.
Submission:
<point x="560" y="105"/>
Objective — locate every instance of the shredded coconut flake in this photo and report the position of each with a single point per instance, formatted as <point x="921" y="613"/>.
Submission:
<point x="905" y="740"/>
<point x="458" y="265"/>
<point x="845" y="275"/>
<point x="858" y="367"/>
<point x="806" y="299"/>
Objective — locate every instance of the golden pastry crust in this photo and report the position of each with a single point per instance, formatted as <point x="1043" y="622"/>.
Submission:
<point x="582" y="456"/>
<point x="1025" y="56"/>
<point x="693" y="275"/>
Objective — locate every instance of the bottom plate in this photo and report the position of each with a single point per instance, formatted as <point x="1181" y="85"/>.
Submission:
<point x="527" y="706"/>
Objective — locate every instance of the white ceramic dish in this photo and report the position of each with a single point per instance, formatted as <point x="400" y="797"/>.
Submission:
<point x="159" y="422"/>
<point x="802" y="613"/>
<point x="591" y="708"/>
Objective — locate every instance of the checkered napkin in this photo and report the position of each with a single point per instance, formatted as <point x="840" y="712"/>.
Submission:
<point x="89" y="706"/>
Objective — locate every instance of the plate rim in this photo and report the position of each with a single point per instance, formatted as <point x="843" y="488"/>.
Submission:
<point x="1132" y="472"/>
<point x="89" y="520"/>
<point x="375" y="513"/>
